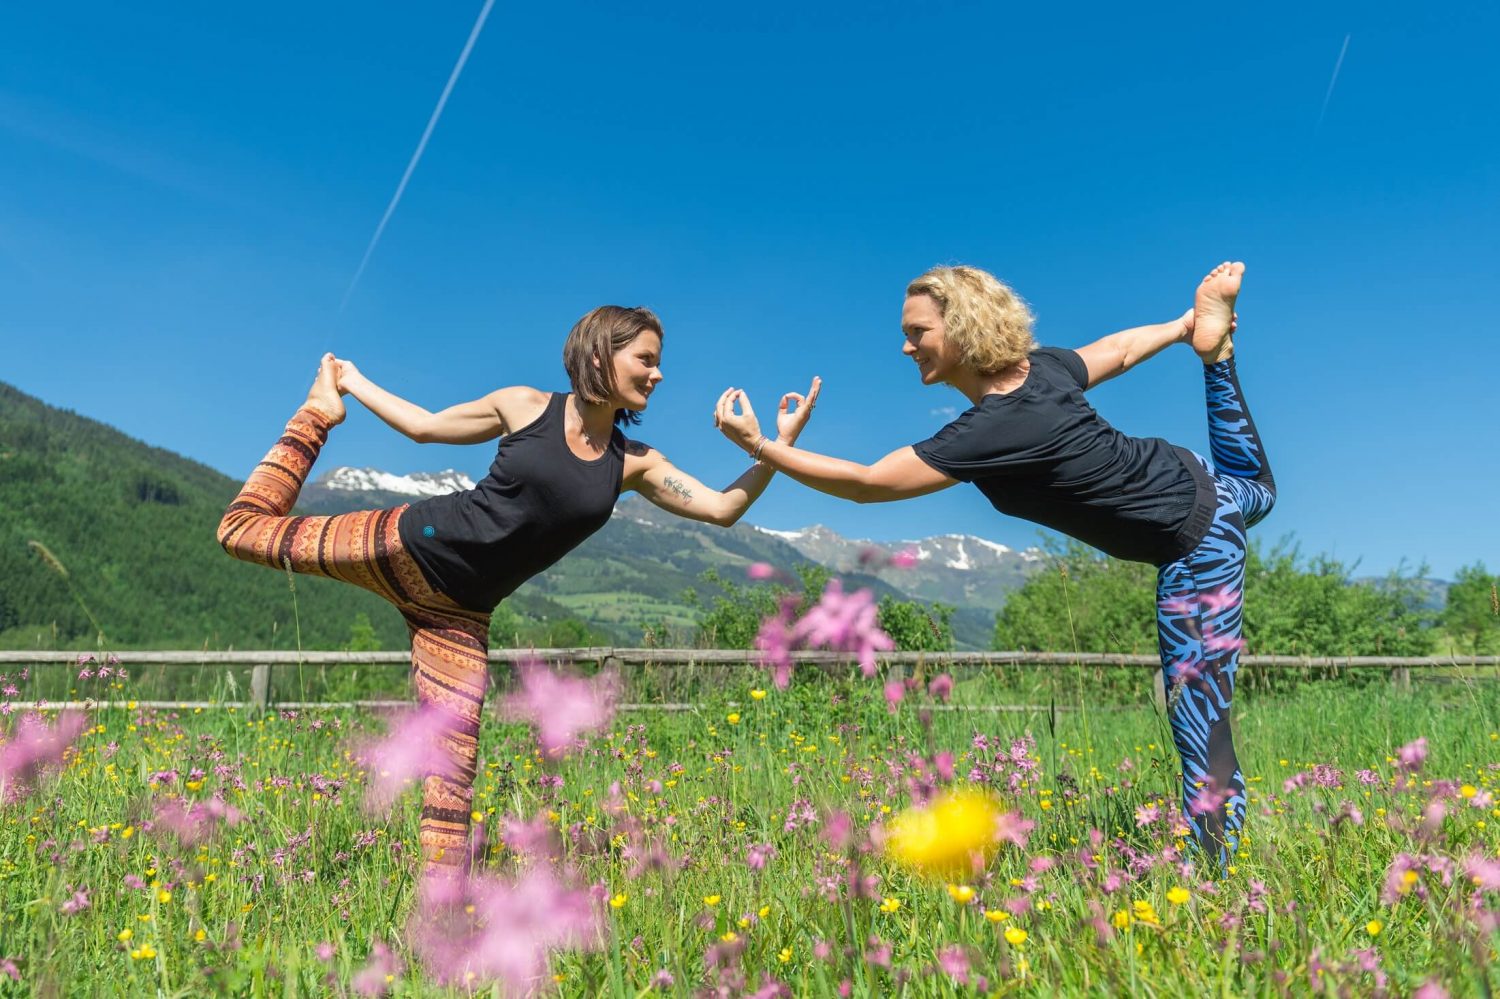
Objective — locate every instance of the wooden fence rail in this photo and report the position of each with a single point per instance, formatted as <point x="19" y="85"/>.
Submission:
<point x="609" y="656"/>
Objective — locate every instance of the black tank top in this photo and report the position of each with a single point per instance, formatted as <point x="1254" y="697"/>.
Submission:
<point x="538" y="503"/>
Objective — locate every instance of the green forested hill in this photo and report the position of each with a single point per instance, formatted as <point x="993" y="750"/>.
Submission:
<point x="134" y="527"/>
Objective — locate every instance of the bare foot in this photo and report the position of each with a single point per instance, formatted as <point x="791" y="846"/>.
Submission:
<point x="1213" y="312"/>
<point x="323" y="398"/>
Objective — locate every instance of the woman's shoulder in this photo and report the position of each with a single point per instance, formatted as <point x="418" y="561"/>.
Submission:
<point x="520" y="406"/>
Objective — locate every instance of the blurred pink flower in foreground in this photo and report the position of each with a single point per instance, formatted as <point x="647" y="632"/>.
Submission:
<point x="371" y="979"/>
<point x="562" y="707"/>
<point x="34" y="747"/>
<point x="471" y="930"/>
<point x="1411" y="756"/>
<point x="411" y="750"/>
<point x="761" y="570"/>
<point x="191" y="823"/>
<point x="838" y="622"/>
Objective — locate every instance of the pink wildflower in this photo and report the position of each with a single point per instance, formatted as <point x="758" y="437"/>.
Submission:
<point x="500" y="930"/>
<point x="941" y="687"/>
<point x="1483" y="871"/>
<point x="1011" y="828"/>
<point x="895" y="692"/>
<point x="371" y="979"/>
<point x="411" y="750"/>
<point x="1411" y="756"/>
<point x="76" y="904"/>
<point x="761" y="570"/>
<point x="34" y="747"/>
<point x="562" y="707"/>
<point x="955" y="963"/>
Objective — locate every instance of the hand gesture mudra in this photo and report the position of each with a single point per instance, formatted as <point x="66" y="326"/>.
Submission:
<point x="743" y="428"/>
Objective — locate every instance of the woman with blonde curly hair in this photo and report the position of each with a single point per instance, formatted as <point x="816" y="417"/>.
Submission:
<point x="1036" y="449"/>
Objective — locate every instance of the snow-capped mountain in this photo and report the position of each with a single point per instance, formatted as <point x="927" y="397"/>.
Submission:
<point x="958" y="569"/>
<point x="347" y="488"/>
<point x="415" y="484"/>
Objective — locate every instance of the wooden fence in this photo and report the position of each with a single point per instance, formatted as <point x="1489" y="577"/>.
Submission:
<point x="261" y="664"/>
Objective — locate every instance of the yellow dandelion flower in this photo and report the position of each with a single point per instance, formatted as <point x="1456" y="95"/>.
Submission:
<point x="890" y="904"/>
<point x="996" y="915"/>
<point x="962" y="894"/>
<point x="1373" y="927"/>
<point x="164" y="896"/>
<point x="733" y="718"/>
<point x="200" y="936"/>
<point x="785" y="955"/>
<point x="1015" y="936"/>
<point x="1178" y="895"/>
<point x="757" y="695"/>
<point x="1468" y="790"/>
<point x="1120" y="920"/>
<point x="712" y="900"/>
<point x="765" y="911"/>
<point x="124" y="935"/>
<point x="951" y="835"/>
<point x="730" y="937"/>
<point x="618" y="902"/>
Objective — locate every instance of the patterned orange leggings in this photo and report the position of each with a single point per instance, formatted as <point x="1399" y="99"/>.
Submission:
<point x="449" y="644"/>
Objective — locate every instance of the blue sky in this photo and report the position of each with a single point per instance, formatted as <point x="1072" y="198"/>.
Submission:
<point x="185" y="194"/>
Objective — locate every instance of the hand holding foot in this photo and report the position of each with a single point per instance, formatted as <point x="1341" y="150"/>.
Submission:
<point x="324" y="397"/>
<point x="1213" y="312"/>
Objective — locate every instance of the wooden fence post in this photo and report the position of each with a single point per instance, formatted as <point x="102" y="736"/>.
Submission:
<point x="260" y="686"/>
<point x="1401" y="677"/>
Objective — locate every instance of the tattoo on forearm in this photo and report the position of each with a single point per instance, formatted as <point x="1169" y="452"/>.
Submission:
<point x="677" y="487"/>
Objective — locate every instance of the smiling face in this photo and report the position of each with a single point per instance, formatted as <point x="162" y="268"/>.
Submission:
<point x="926" y="344"/>
<point x="637" y="371"/>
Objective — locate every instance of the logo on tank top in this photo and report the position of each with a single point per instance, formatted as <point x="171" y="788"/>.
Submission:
<point x="428" y="531"/>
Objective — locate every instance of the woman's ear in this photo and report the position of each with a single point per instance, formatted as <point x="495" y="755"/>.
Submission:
<point x="595" y="358"/>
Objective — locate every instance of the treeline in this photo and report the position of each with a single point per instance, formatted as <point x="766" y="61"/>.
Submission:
<point x="1293" y="606"/>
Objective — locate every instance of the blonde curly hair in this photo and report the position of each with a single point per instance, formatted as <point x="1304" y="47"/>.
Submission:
<point x="988" y="322"/>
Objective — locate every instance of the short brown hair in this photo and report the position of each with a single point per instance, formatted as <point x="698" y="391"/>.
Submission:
<point x="598" y="335"/>
<point x="988" y="322"/>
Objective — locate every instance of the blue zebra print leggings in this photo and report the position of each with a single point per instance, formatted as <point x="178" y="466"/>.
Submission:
<point x="1198" y="619"/>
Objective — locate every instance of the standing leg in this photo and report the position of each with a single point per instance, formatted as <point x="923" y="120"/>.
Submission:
<point x="450" y="669"/>
<point x="1198" y="626"/>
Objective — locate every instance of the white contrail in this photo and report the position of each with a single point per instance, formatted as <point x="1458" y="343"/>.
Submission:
<point x="437" y="112"/>
<point x="1336" y="66"/>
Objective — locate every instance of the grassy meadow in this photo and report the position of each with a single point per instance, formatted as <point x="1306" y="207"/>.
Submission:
<point x="710" y="845"/>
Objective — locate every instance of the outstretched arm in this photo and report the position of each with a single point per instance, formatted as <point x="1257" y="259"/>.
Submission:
<point x="899" y="475"/>
<point x="1119" y="352"/>
<point x="672" y="489"/>
<point x="466" y="423"/>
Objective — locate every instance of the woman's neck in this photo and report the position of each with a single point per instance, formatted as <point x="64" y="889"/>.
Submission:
<point x="596" y="420"/>
<point x="976" y="385"/>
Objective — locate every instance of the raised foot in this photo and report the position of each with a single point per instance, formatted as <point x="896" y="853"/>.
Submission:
<point x="1213" y="312"/>
<point x="324" y="398"/>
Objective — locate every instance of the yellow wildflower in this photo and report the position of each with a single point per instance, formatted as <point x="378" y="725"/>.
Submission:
<point x="996" y="915"/>
<point x="618" y="902"/>
<point x="757" y="695"/>
<point x="890" y="904"/>
<point x="733" y="718"/>
<point x="1015" y="936"/>
<point x="962" y="894"/>
<point x="712" y="900"/>
<point x="953" y="834"/>
<point x="1373" y="927"/>
<point x="1178" y="895"/>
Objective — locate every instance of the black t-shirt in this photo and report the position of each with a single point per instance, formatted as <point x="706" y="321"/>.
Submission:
<point x="1042" y="453"/>
<point x="539" y="502"/>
